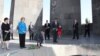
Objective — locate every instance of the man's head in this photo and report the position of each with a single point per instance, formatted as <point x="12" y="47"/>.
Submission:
<point x="86" y="21"/>
<point x="75" y="21"/>
<point x="46" y="21"/>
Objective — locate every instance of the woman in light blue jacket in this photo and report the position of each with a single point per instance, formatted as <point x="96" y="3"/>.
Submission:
<point x="22" y="32"/>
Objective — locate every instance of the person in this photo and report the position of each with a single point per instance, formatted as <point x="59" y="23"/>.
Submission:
<point x="22" y="29"/>
<point x="5" y="33"/>
<point x="43" y="34"/>
<point x="11" y="31"/>
<point x="47" y="30"/>
<point x="31" y="33"/>
<point x="59" y="31"/>
<point x="75" y="29"/>
<point x="54" y="29"/>
<point x="39" y="38"/>
<point x="87" y="28"/>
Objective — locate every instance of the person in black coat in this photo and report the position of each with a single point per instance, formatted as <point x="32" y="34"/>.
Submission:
<point x="87" y="29"/>
<point x="75" y="30"/>
<point x="5" y="33"/>
<point x="47" y="30"/>
<point x="39" y="38"/>
<point x="54" y="31"/>
<point x="31" y="33"/>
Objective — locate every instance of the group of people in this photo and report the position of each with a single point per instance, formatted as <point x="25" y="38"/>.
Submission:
<point x="53" y="29"/>
<point x="6" y="31"/>
<point x="76" y="29"/>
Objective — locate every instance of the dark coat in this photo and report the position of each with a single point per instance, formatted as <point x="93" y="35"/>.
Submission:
<point x="75" y="27"/>
<point x="54" y="29"/>
<point x="47" y="28"/>
<point x="87" y="27"/>
<point x="38" y="37"/>
<point x="5" y="27"/>
<point x="30" y="29"/>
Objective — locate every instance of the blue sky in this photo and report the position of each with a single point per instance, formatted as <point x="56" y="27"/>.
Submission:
<point x="86" y="10"/>
<point x="7" y="5"/>
<point x="46" y="11"/>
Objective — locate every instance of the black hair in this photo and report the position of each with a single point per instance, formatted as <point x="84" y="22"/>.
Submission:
<point x="5" y="19"/>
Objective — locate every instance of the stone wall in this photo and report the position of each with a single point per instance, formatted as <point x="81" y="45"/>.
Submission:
<point x="96" y="16"/>
<point x="30" y="9"/>
<point x="1" y="9"/>
<point x="66" y="11"/>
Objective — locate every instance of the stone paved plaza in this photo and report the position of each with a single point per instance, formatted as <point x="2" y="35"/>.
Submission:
<point x="66" y="46"/>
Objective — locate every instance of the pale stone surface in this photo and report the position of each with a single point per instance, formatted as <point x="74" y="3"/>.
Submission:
<point x="30" y="9"/>
<point x="64" y="47"/>
<point x="1" y="9"/>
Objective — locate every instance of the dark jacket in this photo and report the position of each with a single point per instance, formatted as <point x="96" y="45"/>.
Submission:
<point x="47" y="27"/>
<point x="87" y="27"/>
<point x="38" y="37"/>
<point x="30" y="29"/>
<point x="75" y="27"/>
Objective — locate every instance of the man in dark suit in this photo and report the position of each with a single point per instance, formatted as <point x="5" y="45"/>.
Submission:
<point x="75" y="29"/>
<point x="87" y="29"/>
<point x="47" y="30"/>
<point x="54" y="29"/>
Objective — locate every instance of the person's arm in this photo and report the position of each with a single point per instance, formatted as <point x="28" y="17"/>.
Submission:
<point x="49" y="25"/>
<point x="45" y="26"/>
<point x="18" y="26"/>
<point x="29" y="28"/>
<point x="25" y="28"/>
<point x="2" y="27"/>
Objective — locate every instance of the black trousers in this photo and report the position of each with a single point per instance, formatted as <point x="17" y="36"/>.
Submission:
<point x="87" y="32"/>
<point x="31" y="35"/>
<point x="75" y="34"/>
<point x="47" y="35"/>
<point x="54" y="36"/>
<point x="22" y="40"/>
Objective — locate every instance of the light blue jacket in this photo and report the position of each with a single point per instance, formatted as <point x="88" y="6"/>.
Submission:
<point x="21" y="28"/>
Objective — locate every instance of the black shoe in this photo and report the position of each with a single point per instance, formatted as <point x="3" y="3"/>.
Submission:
<point x="73" y="38"/>
<point x="22" y="47"/>
<point x="54" y="41"/>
